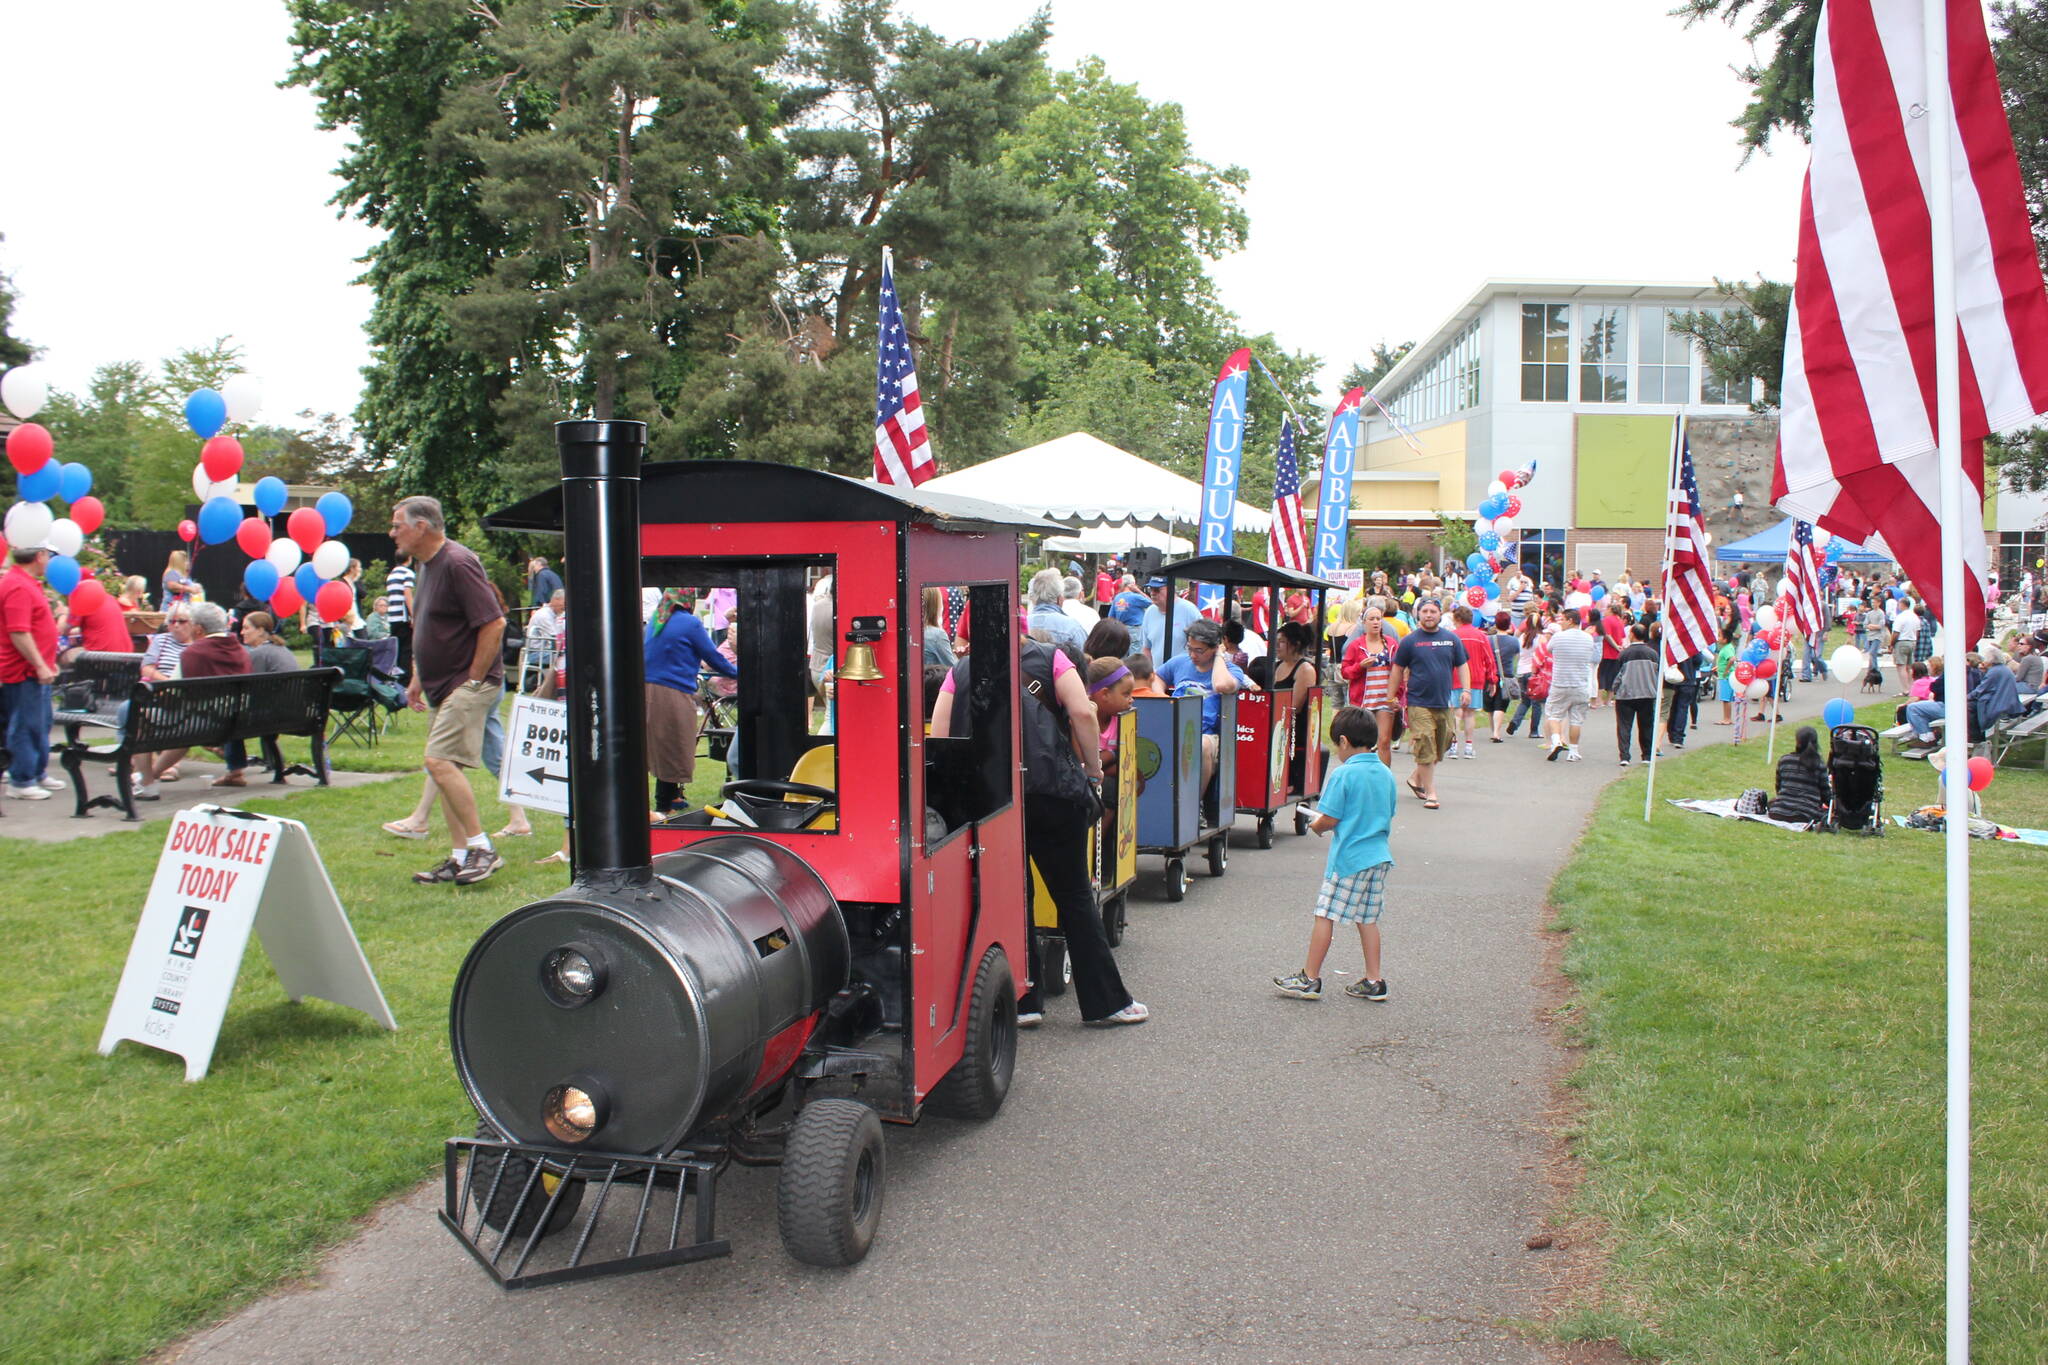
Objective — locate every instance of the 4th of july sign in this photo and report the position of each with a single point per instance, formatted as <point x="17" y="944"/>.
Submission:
<point x="224" y="873"/>
<point x="536" y="768"/>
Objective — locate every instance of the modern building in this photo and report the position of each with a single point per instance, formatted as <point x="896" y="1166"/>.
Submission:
<point x="1584" y="377"/>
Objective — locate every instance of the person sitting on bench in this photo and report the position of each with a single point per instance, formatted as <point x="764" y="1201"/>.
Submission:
<point x="216" y="653"/>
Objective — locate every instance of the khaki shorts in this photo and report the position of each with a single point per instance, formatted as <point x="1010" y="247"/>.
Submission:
<point x="1567" y="706"/>
<point x="1430" y="729"/>
<point x="456" y="731"/>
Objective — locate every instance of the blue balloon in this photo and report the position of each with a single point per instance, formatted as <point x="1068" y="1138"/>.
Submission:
<point x="74" y="482"/>
<point x="62" y="574"/>
<point x="1496" y="505"/>
<point x="1489" y="541"/>
<point x="1475" y="561"/>
<point x="306" y="581"/>
<point x="1838" y="712"/>
<point x="1481" y="577"/>
<point x="335" y="509"/>
<point x="271" y="496"/>
<point x="40" y="486"/>
<point x="1835" y="550"/>
<point x="1599" y="593"/>
<point x="218" y="520"/>
<point x="1898" y="593"/>
<point x="206" y="412"/>
<point x="261" y="579"/>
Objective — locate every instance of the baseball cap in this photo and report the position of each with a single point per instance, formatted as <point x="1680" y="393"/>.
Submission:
<point x="1155" y="582"/>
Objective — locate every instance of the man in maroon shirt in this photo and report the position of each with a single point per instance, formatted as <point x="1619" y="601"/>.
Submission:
<point x="213" y="653"/>
<point x="28" y="665"/>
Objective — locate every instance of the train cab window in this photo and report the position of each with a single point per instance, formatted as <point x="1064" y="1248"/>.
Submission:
<point x="967" y="756"/>
<point x="761" y="725"/>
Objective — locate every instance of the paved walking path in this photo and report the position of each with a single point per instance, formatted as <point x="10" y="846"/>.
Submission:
<point x="1245" y="1178"/>
<point x="53" y="821"/>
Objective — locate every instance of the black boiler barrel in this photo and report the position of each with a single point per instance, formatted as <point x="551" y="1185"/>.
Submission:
<point x="607" y="671"/>
<point x="734" y="944"/>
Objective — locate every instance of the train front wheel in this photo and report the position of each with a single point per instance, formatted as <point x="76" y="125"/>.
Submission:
<point x="828" y="1199"/>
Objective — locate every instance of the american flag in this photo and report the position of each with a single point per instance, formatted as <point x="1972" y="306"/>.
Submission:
<point x="1802" y="574"/>
<point x="1856" y="447"/>
<point x="956" y="607"/>
<point x="1689" y="591"/>
<point x="903" y="450"/>
<point x="1286" y="543"/>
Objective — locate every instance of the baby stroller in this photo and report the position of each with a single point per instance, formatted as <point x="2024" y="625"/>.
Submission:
<point x="1856" y="778"/>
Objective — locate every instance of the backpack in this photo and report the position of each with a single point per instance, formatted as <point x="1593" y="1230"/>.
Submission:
<point x="1051" y="768"/>
<point x="1755" y="801"/>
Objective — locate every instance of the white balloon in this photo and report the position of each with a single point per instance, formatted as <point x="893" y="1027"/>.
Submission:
<point x="1481" y="525"/>
<point x="1757" y="690"/>
<point x="28" y="524"/>
<point x="1496" y="487"/>
<point x="1504" y="527"/>
<point x="23" y="391"/>
<point x="64" y="537"/>
<point x="206" y="490"/>
<point x="244" y="397"/>
<point x="1847" y="664"/>
<point x="284" y="556"/>
<point x="1767" y="617"/>
<point x="331" y="559"/>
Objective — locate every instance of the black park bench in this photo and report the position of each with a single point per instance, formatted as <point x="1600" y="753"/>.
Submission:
<point x="210" y="713"/>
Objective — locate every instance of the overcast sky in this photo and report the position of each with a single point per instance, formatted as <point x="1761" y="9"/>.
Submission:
<point x="161" y="191"/>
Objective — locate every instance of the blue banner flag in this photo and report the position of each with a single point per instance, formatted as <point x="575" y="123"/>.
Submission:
<point x="1223" y="465"/>
<point x="1333" y="500"/>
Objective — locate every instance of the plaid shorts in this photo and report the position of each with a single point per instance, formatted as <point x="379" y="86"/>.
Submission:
<point x="1356" y="899"/>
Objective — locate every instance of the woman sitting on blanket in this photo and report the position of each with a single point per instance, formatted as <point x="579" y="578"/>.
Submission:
<point x="1802" y="783"/>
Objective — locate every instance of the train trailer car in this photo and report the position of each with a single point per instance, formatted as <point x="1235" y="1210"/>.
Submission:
<point x="837" y="940"/>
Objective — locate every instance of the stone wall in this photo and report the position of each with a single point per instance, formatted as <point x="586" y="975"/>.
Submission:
<point x="1731" y="453"/>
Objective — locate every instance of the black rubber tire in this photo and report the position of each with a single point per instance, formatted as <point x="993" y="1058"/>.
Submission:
<point x="1114" y="912"/>
<point x="1053" y="962"/>
<point x="975" y="1087"/>
<point x="1176" y="879"/>
<point x="828" y="1197"/>
<point x="484" y="1166"/>
<point x="1265" y="831"/>
<point x="1300" y="824"/>
<point x="1219" y="855"/>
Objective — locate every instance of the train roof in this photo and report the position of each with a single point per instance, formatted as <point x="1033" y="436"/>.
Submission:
<point x="1235" y="569"/>
<point x="752" y="491"/>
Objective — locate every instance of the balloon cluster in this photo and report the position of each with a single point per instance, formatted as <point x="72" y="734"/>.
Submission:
<point x="39" y="477"/>
<point x="275" y="573"/>
<point x="1495" y="528"/>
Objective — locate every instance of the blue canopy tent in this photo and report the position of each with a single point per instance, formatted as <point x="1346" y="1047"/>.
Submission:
<point x="1769" y="546"/>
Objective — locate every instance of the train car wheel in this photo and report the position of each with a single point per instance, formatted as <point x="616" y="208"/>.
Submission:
<point x="828" y="1199"/>
<point x="1113" y="914"/>
<point x="1265" y="831"/>
<point x="1176" y="879"/>
<point x="975" y="1087"/>
<point x="1219" y="855"/>
<point x="1053" y="962"/>
<point x="1300" y="823"/>
<point x="498" y="1211"/>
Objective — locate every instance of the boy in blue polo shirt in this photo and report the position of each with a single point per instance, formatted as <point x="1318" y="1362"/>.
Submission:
<point x="1358" y="803"/>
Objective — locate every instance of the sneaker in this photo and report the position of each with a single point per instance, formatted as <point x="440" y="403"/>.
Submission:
<point x="1300" y="986"/>
<point x="1556" y="749"/>
<point x="51" y="783"/>
<point x="1624" y="763"/>
<point x="1030" y="1019"/>
<point x="478" y="864"/>
<point x="1470" y="752"/>
<point x="1375" y="991"/>
<point x="148" y="792"/>
<point x="444" y="871"/>
<point x="1571" y="755"/>
<point x="1133" y="1013"/>
<point x="29" y="793"/>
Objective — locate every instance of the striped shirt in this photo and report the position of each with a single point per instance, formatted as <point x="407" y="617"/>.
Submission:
<point x="395" y="585"/>
<point x="163" y="654"/>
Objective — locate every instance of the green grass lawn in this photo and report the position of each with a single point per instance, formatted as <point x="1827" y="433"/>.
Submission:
<point x="150" y="1206"/>
<point x="1762" y="1013"/>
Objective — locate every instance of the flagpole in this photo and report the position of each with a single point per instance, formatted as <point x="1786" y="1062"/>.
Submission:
<point x="1940" y="104"/>
<point x="1777" y="673"/>
<point x="1664" y="601"/>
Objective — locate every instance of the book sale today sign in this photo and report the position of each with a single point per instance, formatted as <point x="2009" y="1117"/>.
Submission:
<point x="224" y="873"/>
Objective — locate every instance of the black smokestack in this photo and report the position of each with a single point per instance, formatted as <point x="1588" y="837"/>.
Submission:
<point x="607" y="672"/>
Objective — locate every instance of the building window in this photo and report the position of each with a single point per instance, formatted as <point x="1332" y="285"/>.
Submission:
<point x="1546" y="352"/>
<point x="1665" y="374"/>
<point x="1603" y="353"/>
<point x="1447" y="383"/>
<point x="1730" y="392"/>
<point x="2017" y="551"/>
<point x="1542" y="556"/>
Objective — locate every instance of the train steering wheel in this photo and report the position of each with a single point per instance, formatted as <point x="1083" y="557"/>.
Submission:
<point x="763" y="790"/>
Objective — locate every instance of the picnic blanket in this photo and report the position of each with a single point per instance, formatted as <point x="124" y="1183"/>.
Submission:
<point x="1726" y="810"/>
<point x="1929" y="819"/>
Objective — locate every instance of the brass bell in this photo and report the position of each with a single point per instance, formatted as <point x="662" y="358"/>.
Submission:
<point x="859" y="663"/>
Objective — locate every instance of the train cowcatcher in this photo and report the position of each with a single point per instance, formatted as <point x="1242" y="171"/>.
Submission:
<point x="837" y="941"/>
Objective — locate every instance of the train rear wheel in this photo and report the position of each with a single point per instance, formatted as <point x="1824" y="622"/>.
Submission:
<point x="1300" y="823"/>
<point x="1219" y="855"/>
<point x="1114" y="911"/>
<point x="1176" y="879"/>
<point x="828" y="1199"/>
<point x="1055" y="966"/>
<point x="975" y="1087"/>
<point x="1265" y="831"/>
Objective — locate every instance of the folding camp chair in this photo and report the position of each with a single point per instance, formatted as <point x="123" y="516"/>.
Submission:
<point x="354" y="709"/>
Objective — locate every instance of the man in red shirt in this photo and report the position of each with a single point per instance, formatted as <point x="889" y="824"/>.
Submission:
<point x="1105" y="587"/>
<point x="213" y="653"/>
<point x="28" y="665"/>
<point x="1613" y="639"/>
<point x="106" y="628"/>
<point x="1485" y="672"/>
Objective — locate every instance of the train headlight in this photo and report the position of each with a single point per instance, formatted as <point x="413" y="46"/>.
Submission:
<point x="572" y="1112"/>
<point x="572" y="975"/>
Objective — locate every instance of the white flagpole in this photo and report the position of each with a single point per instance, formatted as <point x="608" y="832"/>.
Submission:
<point x="1671" y="486"/>
<point x="1940" y="105"/>
<point x="1780" y="655"/>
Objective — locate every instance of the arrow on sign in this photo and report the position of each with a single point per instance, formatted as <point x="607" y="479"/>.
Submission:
<point x="543" y="775"/>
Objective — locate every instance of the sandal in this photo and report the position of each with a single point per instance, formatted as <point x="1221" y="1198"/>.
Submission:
<point x="510" y="833"/>
<point x="1417" y="790"/>
<point x="403" y="830"/>
<point x="1431" y="803"/>
<point x="556" y="857"/>
<point x="170" y="774"/>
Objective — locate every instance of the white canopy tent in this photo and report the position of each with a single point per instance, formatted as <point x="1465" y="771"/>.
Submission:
<point x="1115" y="540"/>
<point x="1083" y="480"/>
